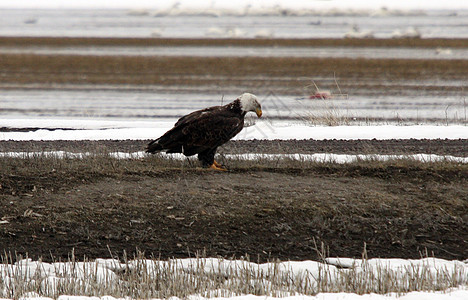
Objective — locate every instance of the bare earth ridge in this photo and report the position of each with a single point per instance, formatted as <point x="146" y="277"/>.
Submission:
<point x="51" y="207"/>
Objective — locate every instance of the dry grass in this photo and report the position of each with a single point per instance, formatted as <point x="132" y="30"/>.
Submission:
<point x="329" y="115"/>
<point x="142" y="278"/>
<point x="103" y="163"/>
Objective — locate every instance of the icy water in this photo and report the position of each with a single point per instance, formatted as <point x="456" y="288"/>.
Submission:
<point x="124" y="23"/>
<point x="445" y="105"/>
<point x="134" y="104"/>
<point x="233" y="51"/>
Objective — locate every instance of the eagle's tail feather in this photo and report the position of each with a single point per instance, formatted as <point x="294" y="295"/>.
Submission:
<point x="171" y="142"/>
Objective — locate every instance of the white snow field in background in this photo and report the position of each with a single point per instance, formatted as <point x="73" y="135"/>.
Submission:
<point x="76" y="129"/>
<point x="241" y="5"/>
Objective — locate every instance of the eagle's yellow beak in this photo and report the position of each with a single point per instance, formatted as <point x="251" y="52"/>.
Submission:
<point x="258" y="111"/>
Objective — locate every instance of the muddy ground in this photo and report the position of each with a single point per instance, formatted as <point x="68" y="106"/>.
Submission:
<point x="51" y="207"/>
<point x="222" y="75"/>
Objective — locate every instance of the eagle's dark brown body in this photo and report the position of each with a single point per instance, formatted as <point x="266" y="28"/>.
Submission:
<point x="202" y="132"/>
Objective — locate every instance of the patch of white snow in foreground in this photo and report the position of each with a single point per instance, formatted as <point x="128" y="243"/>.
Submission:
<point x="263" y="129"/>
<point x="56" y="275"/>
<point x="454" y="294"/>
<point x="316" y="157"/>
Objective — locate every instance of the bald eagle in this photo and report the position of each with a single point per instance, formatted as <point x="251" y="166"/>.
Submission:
<point x="203" y="131"/>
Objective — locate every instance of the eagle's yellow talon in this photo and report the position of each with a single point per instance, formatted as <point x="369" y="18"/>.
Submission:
<point x="215" y="167"/>
<point x="217" y="164"/>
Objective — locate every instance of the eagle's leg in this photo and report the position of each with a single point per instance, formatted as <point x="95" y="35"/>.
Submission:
<point x="207" y="159"/>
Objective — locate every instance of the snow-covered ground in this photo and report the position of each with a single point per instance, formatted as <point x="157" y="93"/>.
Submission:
<point x="316" y="157"/>
<point x="263" y="130"/>
<point x="85" y="129"/>
<point x="285" y="279"/>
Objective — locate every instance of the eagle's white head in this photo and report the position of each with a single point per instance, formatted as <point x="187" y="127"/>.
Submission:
<point x="249" y="102"/>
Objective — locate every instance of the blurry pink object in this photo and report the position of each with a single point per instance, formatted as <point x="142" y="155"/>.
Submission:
<point x="321" y="95"/>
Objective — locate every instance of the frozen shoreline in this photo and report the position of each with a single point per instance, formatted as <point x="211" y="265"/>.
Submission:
<point x="62" y="129"/>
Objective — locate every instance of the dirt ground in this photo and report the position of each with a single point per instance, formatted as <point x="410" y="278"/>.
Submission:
<point x="279" y="75"/>
<point x="51" y="207"/>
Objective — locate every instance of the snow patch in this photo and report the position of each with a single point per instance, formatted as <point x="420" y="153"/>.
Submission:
<point x="316" y="157"/>
<point x="262" y="130"/>
<point x="105" y="271"/>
